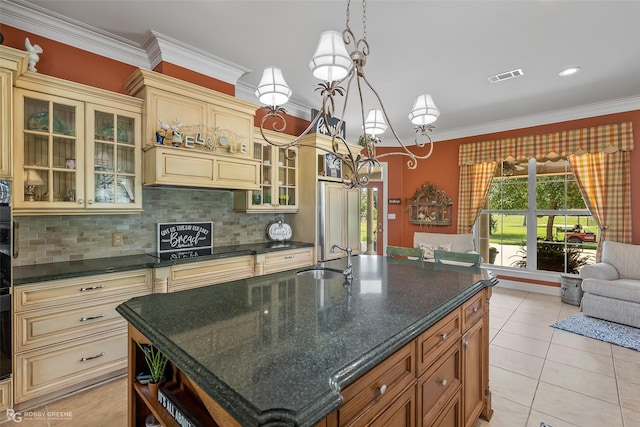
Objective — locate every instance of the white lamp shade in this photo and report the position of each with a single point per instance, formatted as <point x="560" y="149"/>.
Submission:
<point x="331" y="61"/>
<point x="273" y="90"/>
<point x="374" y="124"/>
<point x="33" y="178"/>
<point x="424" y="111"/>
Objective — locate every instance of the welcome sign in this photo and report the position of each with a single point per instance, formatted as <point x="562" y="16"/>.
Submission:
<point x="184" y="236"/>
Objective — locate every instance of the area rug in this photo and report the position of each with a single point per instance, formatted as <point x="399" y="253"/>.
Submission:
<point x="603" y="330"/>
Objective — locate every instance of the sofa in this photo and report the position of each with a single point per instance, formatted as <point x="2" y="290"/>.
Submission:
<point x="612" y="286"/>
<point x="430" y="242"/>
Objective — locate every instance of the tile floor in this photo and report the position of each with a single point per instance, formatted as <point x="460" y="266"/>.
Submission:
<point x="537" y="374"/>
<point x="541" y="374"/>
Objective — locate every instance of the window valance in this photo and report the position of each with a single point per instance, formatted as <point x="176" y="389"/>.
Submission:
<point x="607" y="138"/>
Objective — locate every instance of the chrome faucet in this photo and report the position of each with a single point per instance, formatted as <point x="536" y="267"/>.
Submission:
<point x="348" y="271"/>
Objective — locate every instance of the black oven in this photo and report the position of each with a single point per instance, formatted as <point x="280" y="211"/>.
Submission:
<point x="6" y="253"/>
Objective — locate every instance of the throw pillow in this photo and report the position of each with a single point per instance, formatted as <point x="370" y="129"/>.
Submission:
<point x="429" y="249"/>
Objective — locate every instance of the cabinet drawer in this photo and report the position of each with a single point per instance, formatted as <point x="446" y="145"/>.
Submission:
<point x="287" y="260"/>
<point x="205" y="273"/>
<point x="81" y="289"/>
<point x="5" y="394"/>
<point x="401" y="412"/>
<point x="36" y="328"/>
<point x="438" y="384"/>
<point x="472" y="310"/>
<point x="375" y="390"/>
<point x="436" y="340"/>
<point x="47" y="370"/>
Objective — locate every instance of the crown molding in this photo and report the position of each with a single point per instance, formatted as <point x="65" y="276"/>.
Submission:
<point x="155" y="47"/>
<point x="164" y="48"/>
<point x="580" y="112"/>
<point x="37" y="20"/>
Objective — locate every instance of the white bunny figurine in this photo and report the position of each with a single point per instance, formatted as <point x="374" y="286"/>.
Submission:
<point x="33" y="50"/>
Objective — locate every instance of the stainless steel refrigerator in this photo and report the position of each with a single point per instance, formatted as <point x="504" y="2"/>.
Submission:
<point x="338" y="219"/>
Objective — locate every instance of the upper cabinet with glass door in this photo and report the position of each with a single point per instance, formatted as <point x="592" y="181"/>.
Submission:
<point x="278" y="177"/>
<point x="76" y="149"/>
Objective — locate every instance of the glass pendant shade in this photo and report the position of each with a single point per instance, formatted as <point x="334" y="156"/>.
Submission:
<point x="374" y="123"/>
<point x="424" y="111"/>
<point x="273" y="90"/>
<point x="331" y="61"/>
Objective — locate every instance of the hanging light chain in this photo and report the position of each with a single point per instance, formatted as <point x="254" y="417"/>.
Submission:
<point x="364" y="19"/>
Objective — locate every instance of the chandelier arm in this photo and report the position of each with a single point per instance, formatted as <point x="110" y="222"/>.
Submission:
<point x="277" y="112"/>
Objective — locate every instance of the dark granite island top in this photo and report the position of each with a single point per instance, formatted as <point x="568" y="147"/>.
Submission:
<point x="280" y="347"/>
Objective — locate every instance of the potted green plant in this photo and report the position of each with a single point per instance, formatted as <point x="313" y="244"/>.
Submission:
<point x="156" y="362"/>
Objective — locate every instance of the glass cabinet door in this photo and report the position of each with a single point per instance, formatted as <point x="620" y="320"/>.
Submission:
<point x="111" y="174"/>
<point x="286" y="177"/>
<point x="51" y="154"/>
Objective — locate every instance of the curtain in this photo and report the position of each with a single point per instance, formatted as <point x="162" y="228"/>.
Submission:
<point x="605" y="183"/>
<point x="475" y="181"/>
<point x="600" y="159"/>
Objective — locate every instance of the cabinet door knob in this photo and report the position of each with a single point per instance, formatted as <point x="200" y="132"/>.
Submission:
<point x="383" y="389"/>
<point x="465" y="344"/>
<point x="80" y="201"/>
<point x="90" y="202"/>
<point x="443" y="383"/>
<point x="474" y="309"/>
<point x="444" y="336"/>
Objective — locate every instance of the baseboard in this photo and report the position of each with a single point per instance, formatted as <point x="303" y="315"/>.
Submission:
<point x="529" y="287"/>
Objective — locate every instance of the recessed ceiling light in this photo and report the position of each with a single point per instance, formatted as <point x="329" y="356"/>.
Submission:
<point x="569" y="71"/>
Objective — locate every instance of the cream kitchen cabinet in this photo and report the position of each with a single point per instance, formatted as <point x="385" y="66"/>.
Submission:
<point x="212" y="146"/>
<point x="278" y="177"/>
<point x="13" y="63"/>
<point x="76" y="149"/>
<point x="67" y="334"/>
<point x="6" y="389"/>
<point x="273" y="262"/>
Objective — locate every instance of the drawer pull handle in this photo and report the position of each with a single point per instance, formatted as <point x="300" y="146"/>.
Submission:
<point x="474" y="309"/>
<point x="443" y="383"/>
<point x="383" y="389"/>
<point x="444" y="336"/>
<point x="289" y="257"/>
<point x="92" y="288"/>
<point x="84" y="319"/>
<point x="84" y="359"/>
<point x="465" y="344"/>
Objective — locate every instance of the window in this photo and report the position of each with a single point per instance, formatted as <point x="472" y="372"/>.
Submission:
<point x="536" y="219"/>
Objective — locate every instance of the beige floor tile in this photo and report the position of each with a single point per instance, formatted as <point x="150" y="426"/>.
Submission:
<point x="567" y="311"/>
<point x="516" y="361"/>
<point x="629" y="395"/>
<point x="509" y="385"/>
<point x="521" y="343"/>
<point x="576" y="408"/>
<point x="507" y="301"/>
<point x="581" y="359"/>
<point x="627" y="371"/>
<point x="595" y="385"/>
<point x="631" y="418"/>
<point x="624" y="353"/>
<point x="572" y="340"/>
<point x="534" y="318"/>
<point x="497" y="322"/>
<point x="542" y="333"/>
<point x="493" y="333"/>
<point x="550" y="311"/>
<point x="516" y="293"/>
<point x="502" y="313"/>
<point x="536" y="417"/>
<point x="506" y="413"/>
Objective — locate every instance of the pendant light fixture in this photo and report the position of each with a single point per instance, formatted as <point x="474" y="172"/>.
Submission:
<point x="334" y="66"/>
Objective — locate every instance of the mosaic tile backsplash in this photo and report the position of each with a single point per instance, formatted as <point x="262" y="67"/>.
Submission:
<point x="45" y="239"/>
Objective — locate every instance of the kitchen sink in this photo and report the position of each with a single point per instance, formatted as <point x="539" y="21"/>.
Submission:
<point x="322" y="273"/>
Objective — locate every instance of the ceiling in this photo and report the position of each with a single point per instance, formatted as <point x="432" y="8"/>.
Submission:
<point x="445" y="48"/>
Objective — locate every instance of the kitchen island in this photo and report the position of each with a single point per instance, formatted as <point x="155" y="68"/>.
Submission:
<point x="289" y="349"/>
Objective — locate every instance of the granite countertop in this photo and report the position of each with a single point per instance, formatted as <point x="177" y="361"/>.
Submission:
<point x="64" y="270"/>
<point x="280" y="347"/>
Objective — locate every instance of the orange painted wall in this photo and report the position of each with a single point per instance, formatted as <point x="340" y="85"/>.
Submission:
<point x="441" y="169"/>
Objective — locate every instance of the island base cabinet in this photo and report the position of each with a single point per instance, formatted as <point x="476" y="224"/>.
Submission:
<point x="5" y="395"/>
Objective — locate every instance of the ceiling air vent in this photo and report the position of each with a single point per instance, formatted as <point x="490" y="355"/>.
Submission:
<point x="505" y="76"/>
